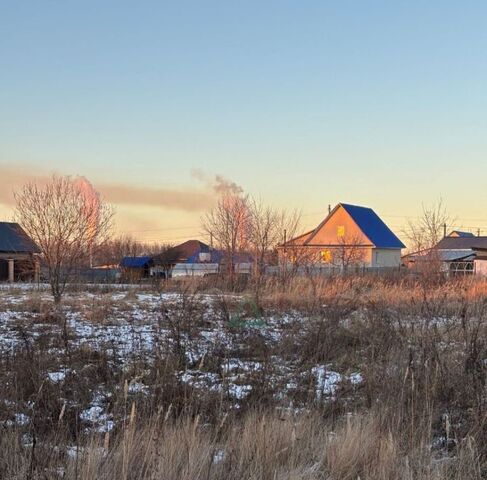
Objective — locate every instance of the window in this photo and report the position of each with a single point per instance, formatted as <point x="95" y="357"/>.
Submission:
<point x="325" y="256"/>
<point x="341" y="231"/>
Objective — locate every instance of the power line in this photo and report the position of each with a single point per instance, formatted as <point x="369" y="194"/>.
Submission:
<point x="160" y="229"/>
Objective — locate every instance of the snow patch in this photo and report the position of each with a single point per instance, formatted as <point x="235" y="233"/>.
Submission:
<point x="327" y="381"/>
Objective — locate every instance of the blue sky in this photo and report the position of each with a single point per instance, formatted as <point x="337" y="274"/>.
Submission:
<point x="302" y="103"/>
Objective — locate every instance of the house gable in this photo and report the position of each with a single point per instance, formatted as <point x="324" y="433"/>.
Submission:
<point x="338" y="228"/>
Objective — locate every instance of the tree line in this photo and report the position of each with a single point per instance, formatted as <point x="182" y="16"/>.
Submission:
<point x="73" y="226"/>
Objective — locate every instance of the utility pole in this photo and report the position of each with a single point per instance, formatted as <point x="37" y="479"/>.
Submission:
<point x="444" y="230"/>
<point x="329" y="209"/>
<point x="478" y="232"/>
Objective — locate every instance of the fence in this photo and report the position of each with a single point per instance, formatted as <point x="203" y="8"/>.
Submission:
<point x="333" y="271"/>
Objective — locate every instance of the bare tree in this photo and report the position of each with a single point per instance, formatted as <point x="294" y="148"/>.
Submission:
<point x="154" y="248"/>
<point x="429" y="229"/>
<point x="294" y="256"/>
<point x="166" y="258"/>
<point x="115" y="249"/>
<point x="349" y="252"/>
<point x="266" y="229"/>
<point x="67" y="221"/>
<point x="424" y="235"/>
<point x="228" y="225"/>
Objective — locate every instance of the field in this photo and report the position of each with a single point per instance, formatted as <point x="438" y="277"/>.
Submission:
<point x="338" y="378"/>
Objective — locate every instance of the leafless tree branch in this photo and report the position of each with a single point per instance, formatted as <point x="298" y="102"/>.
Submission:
<point x="68" y="224"/>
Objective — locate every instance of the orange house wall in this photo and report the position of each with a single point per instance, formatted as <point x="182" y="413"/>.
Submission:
<point x="328" y="234"/>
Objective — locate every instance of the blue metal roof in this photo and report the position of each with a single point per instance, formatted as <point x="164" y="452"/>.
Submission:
<point x="373" y="227"/>
<point x="135" y="262"/>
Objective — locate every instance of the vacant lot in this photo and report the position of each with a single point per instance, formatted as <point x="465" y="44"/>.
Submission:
<point x="308" y="378"/>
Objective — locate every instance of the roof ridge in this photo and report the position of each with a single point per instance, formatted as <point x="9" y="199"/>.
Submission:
<point x="331" y="213"/>
<point x="355" y="206"/>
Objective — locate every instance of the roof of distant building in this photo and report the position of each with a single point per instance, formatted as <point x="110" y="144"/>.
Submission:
<point x="136" y="262"/>
<point x="14" y="239"/>
<point x="461" y="243"/>
<point x="188" y="249"/>
<point x="458" y="233"/>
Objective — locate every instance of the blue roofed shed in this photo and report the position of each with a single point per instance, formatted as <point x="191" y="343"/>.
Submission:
<point x="134" y="268"/>
<point x="136" y="262"/>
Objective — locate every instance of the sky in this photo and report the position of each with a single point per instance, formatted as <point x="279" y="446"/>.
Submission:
<point x="301" y="103"/>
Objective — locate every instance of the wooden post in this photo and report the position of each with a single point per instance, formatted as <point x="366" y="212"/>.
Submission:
<point x="11" y="270"/>
<point x="37" y="270"/>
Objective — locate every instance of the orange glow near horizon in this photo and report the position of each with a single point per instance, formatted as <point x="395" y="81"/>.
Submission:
<point x="172" y="215"/>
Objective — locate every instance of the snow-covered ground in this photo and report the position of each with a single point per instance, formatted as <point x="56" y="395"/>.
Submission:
<point x="227" y="350"/>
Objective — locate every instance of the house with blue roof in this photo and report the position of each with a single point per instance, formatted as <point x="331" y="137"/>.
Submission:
<point x="190" y="258"/>
<point x="350" y="235"/>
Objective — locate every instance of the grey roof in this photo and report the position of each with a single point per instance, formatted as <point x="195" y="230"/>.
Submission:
<point x="461" y="243"/>
<point x="455" y="255"/>
<point x="442" y="255"/>
<point x="13" y="239"/>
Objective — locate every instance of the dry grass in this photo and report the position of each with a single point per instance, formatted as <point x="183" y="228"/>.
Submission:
<point x="420" y="413"/>
<point x="259" y="446"/>
<point x="402" y="294"/>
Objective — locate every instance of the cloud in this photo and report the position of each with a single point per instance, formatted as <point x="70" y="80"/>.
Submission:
<point x="222" y="185"/>
<point x="217" y="183"/>
<point x="188" y="199"/>
<point x="13" y="178"/>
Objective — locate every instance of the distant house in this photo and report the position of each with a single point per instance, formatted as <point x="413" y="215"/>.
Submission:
<point x="459" y="253"/>
<point x="458" y="233"/>
<point x="19" y="255"/>
<point x="136" y="268"/>
<point x="349" y="235"/>
<point x="195" y="251"/>
<point x="191" y="258"/>
<point x="242" y="262"/>
<point x="195" y="258"/>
